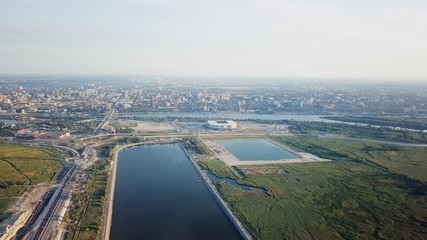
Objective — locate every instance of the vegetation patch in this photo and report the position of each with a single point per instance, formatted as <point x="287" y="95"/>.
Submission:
<point x="194" y="145"/>
<point x="86" y="214"/>
<point x="16" y="151"/>
<point x="216" y="167"/>
<point x="4" y="204"/>
<point x="402" y="122"/>
<point x="409" y="161"/>
<point x="357" y="131"/>
<point x="22" y="166"/>
<point x="357" y="196"/>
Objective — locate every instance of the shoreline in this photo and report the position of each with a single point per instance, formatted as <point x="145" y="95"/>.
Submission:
<point x="212" y="189"/>
<point x="111" y="189"/>
<point x="228" y="158"/>
<point x="112" y="184"/>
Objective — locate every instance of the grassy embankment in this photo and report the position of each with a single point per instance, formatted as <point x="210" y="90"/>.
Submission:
<point x="87" y="215"/>
<point x="369" y="191"/>
<point x="22" y="166"/>
<point x="216" y="167"/>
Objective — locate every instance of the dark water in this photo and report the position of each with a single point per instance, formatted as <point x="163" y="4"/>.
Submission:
<point x="159" y="195"/>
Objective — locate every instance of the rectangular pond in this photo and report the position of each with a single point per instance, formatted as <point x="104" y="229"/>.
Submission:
<point x="159" y="195"/>
<point x="256" y="149"/>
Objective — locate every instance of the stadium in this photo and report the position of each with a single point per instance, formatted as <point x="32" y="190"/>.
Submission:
<point x="221" y="124"/>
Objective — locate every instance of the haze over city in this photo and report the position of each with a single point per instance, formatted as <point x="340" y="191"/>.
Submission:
<point x="194" y="119"/>
<point x="378" y="39"/>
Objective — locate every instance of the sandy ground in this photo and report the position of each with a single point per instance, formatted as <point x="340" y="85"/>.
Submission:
<point x="123" y="123"/>
<point x="231" y="160"/>
<point x="260" y="127"/>
<point x="21" y="210"/>
<point x="143" y="126"/>
<point x="153" y="127"/>
<point x="30" y="197"/>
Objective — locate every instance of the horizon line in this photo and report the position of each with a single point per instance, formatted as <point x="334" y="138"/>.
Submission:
<point x="210" y="77"/>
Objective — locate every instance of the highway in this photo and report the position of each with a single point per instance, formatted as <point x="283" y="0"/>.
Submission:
<point x="50" y="228"/>
<point x="169" y="135"/>
<point x="43" y="219"/>
<point x="48" y="223"/>
<point x="104" y="121"/>
<point x="76" y="154"/>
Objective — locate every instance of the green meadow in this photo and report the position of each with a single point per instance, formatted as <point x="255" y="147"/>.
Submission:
<point x="368" y="191"/>
<point x="22" y="166"/>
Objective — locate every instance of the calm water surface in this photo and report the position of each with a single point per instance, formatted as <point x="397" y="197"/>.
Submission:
<point x="159" y="195"/>
<point x="256" y="149"/>
<point x="234" y="116"/>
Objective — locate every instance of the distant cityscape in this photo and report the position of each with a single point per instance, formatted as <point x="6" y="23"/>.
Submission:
<point x="21" y="96"/>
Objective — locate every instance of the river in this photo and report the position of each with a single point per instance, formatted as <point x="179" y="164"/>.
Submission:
<point x="225" y="115"/>
<point x="159" y="195"/>
<point x="245" y="116"/>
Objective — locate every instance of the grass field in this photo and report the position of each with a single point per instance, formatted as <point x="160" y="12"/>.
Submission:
<point x="410" y="161"/>
<point x="4" y="203"/>
<point x="24" y="152"/>
<point x="369" y="191"/>
<point x="21" y="166"/>
<point x="216" y="167"/>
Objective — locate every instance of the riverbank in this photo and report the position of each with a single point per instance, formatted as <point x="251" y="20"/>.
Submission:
<point x="111" y="189"/>
<point x="240" y="227"/>
<point x="112" y="186"/>
<point x="110" y="198"/>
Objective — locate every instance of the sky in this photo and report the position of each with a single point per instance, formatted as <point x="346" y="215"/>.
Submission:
<point x="351" y="39"/>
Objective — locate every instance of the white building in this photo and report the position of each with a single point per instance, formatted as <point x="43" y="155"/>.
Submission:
<point x="221" y="124"/>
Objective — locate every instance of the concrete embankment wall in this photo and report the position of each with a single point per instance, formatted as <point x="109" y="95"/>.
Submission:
<point x="111" y="189"/>
<point x="245" y="234"/>
<point x="110" y="200"/>
<point x="107" y="229"/>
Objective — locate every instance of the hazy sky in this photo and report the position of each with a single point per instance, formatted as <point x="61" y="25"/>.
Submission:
<point x="308" y="38"/>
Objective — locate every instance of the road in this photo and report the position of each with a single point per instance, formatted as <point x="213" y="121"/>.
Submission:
<point x="104" y="121"/>
<point x="208" y="134"/>
<point x="42" y="220"/>
<point x="51" y="227"/>
<point x="47" y="221"/>
<point x="76" y="154"/>
<point x="48" y="224"/>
